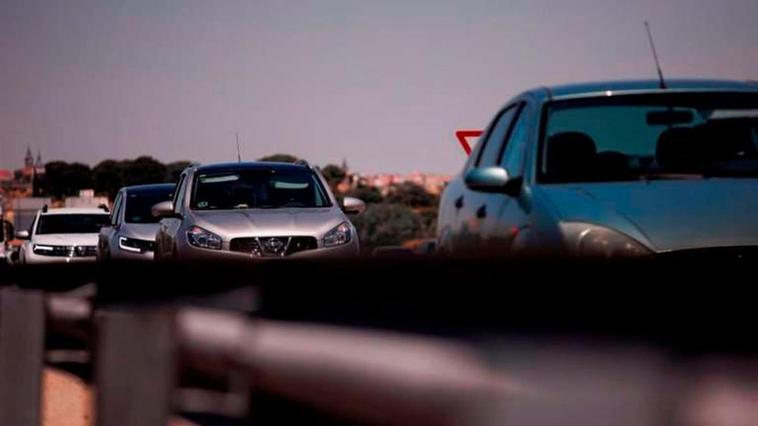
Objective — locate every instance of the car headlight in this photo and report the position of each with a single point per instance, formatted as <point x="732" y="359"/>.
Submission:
<point x="596" y="241"/>
<point x="341" y="234"/>
<point x="134" y="245"/>
<point x="42" y="249"/>
<point x="202" y="238"/>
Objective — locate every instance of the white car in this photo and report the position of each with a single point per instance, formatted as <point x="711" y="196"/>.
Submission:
<point x="63" y="235"/>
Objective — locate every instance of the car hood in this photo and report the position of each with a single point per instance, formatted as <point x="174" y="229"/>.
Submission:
<point x="140" y="231"/>
<point x="666" y="214"/>
<point x="66" y="239"/>
<point x="270" y="222"/>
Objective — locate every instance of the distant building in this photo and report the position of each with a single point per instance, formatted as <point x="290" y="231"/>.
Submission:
<point x="432" y="183"/>
<point x="20" y="182"/>
<point x="32" y="166"/>
<point x="86" y="198"/>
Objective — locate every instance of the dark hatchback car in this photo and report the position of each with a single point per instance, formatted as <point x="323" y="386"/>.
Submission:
<point x="612" y="169"/>
<point x="131" y="232"/>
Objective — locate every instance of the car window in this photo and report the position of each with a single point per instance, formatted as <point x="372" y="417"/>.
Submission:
<point x="71" y="223"/>
<point x="116" y="209"/>
<point x="660" y="136"/>
<point x="179" y="193"/>
<point x="491" y="150"/>
<point x="138" y="206"/>
<point x="264" y="188"/>
<point x="513" y="156"/>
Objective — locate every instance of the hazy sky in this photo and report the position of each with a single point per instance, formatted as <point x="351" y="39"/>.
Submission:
<point x="381" y="83"/>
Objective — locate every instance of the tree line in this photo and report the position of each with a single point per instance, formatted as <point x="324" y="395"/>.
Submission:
<point x="63" y="179"/>
<point x="403" y="212"/>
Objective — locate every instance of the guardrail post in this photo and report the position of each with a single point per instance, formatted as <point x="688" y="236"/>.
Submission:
<point x="22" y="345"/>
<point x="135" y="367"/>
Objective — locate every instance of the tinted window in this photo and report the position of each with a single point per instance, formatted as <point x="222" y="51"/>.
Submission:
<point x="513" y="157"/>
<point x="139" y="205"/>
<point x="492" y="148"/>
<point x="116" y="209"/>
<point x="663" y="136"/>
<point x="266" y="188"/>
<point x="71" y="223"/>
<point x="179" y="193"/>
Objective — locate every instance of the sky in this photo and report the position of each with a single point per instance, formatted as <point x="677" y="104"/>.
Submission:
<point x="382" y="84"/>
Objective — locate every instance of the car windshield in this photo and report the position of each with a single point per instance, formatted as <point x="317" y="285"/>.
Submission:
<point x="71" y="223"/>
<point x="139" y="205"/>
<point x="264" y="188"/>
<point x="661" y="136"/>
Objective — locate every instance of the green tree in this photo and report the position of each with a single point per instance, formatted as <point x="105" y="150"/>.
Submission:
<point x="108" y="176"/>
<point x="387" y="224"/>
<point x="63" y="179"/>
<point x="143" y="170"/>
<point x="369" y="194"/>
<point x="281" y="158"/>
<point x="411" y="194"/>
<point x="333" y="174"/>
<point x="175" y="169"/>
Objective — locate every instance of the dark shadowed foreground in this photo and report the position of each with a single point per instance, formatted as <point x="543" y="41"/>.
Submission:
<point x="413" y="341"/>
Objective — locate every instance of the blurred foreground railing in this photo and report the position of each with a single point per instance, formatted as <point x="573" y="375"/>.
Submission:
<point x="437" y="344"/>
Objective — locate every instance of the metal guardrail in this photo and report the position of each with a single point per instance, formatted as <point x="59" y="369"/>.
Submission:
<point x="156" y="352"/>
<point x="22" y="319"/>
<point x="355" y="375"/>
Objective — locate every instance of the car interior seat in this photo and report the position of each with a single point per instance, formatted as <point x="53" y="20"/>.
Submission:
<point x="679" y="150"/>
<point x="571" y="157"/>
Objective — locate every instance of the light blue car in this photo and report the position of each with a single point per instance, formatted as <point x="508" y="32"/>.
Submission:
<point x="612" y="169"/>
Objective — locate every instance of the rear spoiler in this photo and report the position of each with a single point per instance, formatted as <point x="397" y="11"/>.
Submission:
<point x="463" y="136"/>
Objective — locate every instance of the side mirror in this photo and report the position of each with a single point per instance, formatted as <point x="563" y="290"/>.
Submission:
<point x="23" y="235"/>
<point x="163" y="209"/>
<point x="493" y="180"/>
<point x="353" y="205"/>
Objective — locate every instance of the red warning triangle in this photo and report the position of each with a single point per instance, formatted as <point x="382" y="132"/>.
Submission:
<point x="463" y="135"/>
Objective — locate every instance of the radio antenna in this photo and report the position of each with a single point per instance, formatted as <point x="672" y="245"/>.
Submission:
<point x="655" y="56"/>
<point x="237" y="137"/>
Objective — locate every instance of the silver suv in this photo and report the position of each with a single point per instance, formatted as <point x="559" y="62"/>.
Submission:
<point x="64" y="235"/>
<point x="254" y="210"/>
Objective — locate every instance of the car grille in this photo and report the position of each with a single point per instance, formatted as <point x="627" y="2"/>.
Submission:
<point x="68" y="251"/>
<point x="272" y="246"/>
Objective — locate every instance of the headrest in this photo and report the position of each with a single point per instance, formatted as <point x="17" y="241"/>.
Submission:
<point x="679" y="150"/>
<point x="612" y="165"/>
<point x="728" y="139"/>
<point x="570" y="156"/>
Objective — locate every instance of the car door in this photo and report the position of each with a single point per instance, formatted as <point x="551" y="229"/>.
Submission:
<point x="169" y="226"/>
<point x="475" y="207"/>
<point x="509" y="216"/>
<point x="105" y="237"/>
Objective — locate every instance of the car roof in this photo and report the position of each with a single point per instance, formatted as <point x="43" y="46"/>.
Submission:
<point x="75" y="210"/>
<point x="641" y="86"/>
<point x="251" y="165"/>
<point x="157" y="187"/>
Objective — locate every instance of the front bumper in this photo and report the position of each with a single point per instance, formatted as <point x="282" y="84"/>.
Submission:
<point x="187" y="252"/>
<point x="119" y="254"/>
<point x="35" y="259"/>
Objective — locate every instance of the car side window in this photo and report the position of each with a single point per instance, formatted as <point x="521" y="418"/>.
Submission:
<point x="491" y="150"/>
<point x="179" y="194"/>
<point x="116" y="209"/>
<point x="513" y="156"/>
